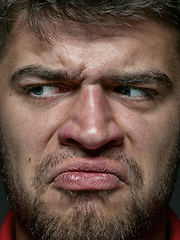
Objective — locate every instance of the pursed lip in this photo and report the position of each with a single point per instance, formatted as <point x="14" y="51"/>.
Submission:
<point x="88" y="174"/>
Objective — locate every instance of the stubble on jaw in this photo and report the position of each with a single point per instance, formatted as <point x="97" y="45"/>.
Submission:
<point x="140" y="212"/>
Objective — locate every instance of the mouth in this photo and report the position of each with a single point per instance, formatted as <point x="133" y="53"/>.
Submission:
<point x="89" y="174"/>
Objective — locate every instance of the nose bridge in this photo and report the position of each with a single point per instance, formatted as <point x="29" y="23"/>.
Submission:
<point x="90" y="123"/>
<point x="91" y="110"/>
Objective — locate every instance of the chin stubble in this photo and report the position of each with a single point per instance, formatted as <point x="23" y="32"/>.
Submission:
<point x="140" y="212"/>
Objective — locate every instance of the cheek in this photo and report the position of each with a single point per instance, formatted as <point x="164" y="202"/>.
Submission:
<point x="28" y="131"/>
<point x="152" y="141"/>
<point x="29" y="134"/>
<point x="25" y="136"/>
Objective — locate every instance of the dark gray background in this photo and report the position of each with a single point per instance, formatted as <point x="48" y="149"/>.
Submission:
<point x="175" y="201"/>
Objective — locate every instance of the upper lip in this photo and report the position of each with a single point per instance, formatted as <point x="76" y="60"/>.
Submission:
<point x="97" y="165"/>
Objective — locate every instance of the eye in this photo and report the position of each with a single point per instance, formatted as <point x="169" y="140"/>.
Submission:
<point x="45" y="91"/>
<point x="131" y="91"/>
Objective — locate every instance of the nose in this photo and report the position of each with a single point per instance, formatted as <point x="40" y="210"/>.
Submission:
<point x="91" y="123"/>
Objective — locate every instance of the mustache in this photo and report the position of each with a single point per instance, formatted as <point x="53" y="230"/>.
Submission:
<point x="53" y="159"/>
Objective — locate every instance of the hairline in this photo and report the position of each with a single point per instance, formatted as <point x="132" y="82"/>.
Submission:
<point x="110" y="24"/>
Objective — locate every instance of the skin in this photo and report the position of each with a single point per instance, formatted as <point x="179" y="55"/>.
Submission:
<point x="86" y="113"/>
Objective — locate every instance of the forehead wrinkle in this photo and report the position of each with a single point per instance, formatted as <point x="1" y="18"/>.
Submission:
<point x="129" y="60"/>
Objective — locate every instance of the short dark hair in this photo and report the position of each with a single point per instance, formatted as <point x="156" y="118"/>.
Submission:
<point x="86" y="11"/>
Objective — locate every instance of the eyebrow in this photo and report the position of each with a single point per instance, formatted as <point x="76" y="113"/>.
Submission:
<point x="150" y="77"/>
<point x="42" y="73"/>
<point x="123" y="78"/>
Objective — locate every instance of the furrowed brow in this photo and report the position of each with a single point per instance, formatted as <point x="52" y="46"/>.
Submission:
<point x="41" y="73"/>
<point x="157" y="77"/>
<point x="151" y="77"/>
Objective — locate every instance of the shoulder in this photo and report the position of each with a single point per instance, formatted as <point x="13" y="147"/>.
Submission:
<point x="173" y="225"/>
<point x="7" y="229"/>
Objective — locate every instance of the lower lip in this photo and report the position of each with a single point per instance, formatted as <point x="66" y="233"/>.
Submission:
<point x="81" y="181"/>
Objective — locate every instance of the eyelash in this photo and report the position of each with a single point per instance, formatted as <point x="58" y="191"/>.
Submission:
<point x="124" y="89"/>
<point x="141" y="94"/>
<point x="29" y="89"/>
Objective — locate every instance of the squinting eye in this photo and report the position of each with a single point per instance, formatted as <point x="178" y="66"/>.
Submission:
<point x="130" y="91"/>
<point x="46" y="91"/>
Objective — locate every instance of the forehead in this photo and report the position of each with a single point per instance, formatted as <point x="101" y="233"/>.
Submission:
<point x="139" y="45"/>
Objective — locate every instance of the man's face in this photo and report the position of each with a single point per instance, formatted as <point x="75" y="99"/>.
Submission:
<point x="90" y="126"/>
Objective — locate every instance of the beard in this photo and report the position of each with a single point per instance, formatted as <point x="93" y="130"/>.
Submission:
<point x="140" y="212"/>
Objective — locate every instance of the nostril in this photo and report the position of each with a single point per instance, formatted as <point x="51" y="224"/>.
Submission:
<point x="90" y="134"/>
<point x="71" y="142"/>
<point x="112" y="143"/>
<point x="104" y="138"/>
<point x="92" y="150"/>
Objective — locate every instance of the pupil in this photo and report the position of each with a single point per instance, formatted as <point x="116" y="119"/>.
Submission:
<point x="123" y="90"/>
<point x="38" y="90"/>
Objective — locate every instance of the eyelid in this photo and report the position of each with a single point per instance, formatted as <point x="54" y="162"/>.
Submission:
<point x="147" y="90"/>
<point x="29" y="90"/>
<point x="140" y="103"/>
<point x="42" y="83"/>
